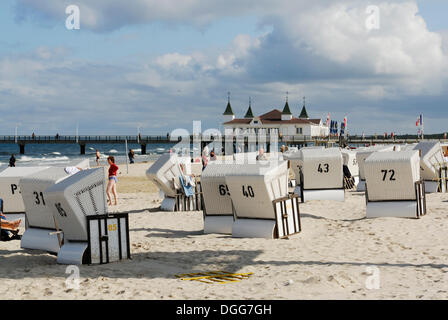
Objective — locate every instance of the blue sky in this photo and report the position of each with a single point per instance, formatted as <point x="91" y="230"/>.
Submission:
<point x="161" y="65"/>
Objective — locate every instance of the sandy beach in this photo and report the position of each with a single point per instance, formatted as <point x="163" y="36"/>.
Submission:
<point x="327" y="260"/>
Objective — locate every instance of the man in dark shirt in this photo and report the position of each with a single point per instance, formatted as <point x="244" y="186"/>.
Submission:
<point x="12" y="161"/>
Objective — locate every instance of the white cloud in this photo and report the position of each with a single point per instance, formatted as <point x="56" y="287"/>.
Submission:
<point x="173" y="59"/>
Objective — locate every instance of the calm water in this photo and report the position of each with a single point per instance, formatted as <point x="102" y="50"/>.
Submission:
<point x="48" y="154"/>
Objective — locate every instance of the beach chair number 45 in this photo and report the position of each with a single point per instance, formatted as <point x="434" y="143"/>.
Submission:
<point x="248" y="191"/>
<point x="323" y="168"/>
<point x="392" y="174"/>
<point x="61" y="211"/>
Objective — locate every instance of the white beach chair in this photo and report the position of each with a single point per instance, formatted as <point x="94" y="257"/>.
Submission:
<point x="321" y="175"/>
<point x="10" y="190"/>
<point x="361" y="156"/>
<point x="41" y="231"/>
<point x="294" y="157"/>
<point x="91" y="235"/>
<point x="166" y="174"/>
<point x="433" y="167"/>
<point x="349" y="160"/>
<point x="218" y="208"/>
<point x="263" y="206"/>
<point x="245" y="157"/>
<point x="393" y="185"/>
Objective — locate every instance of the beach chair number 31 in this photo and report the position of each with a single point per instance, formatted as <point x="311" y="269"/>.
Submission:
<point x="39" y="196"/>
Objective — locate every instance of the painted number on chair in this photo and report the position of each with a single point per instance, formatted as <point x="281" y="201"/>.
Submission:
<point x="61" y="211"/>
<point x="390" y="173"/>
<point x="14" y="188"/>
<point x="323" y="168"/>
<point x="224" y="190"/>
<point x="39" y="198"/>
<point x="248" y="192"/>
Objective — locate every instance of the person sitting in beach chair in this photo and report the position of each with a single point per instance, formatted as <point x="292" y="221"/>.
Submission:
<point x="261" y="156"/>
<point x="187" y="181"/>
<point x="9" y="230"/>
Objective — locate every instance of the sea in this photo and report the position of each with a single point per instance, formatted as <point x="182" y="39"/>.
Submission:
<point x="59" y="154"/>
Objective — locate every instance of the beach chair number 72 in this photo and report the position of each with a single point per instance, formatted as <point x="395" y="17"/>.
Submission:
<point x="392" y="174"/>
<point x="249" y="192"/>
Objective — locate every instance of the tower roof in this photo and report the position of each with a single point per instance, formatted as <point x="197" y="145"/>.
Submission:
<point x="303" y="113"/>
<point x="228" y="110"/>
<point x="249" y="113"/>
<point x="286" y="109"/>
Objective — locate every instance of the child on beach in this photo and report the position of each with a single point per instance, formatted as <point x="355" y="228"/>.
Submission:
<point x="112" y="183"/>
<point x="98" y="158"/>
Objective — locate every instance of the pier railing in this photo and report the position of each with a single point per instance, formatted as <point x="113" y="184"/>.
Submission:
<point x="143" y="140"/>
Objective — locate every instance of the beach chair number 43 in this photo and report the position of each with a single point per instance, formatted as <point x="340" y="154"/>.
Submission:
<point x="248" y="191"/>
<point x="391" y="172"/>
<point x="323" y="168"/>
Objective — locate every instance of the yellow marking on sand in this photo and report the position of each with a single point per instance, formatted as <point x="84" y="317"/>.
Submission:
<point x="214" y="276"/>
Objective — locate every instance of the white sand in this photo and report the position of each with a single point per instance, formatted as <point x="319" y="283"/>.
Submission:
<point x="327" y="260"/>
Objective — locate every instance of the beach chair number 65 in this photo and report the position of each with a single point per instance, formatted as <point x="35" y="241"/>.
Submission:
<point x="224" y="190"/>
<point x="323" y="168"/>
<point x="392" y="174"/>
<point x="249" y="192"/>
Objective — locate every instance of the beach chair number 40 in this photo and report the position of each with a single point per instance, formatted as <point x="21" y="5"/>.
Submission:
<point x="323" y="168"/>
<point x="248" y="191"/>
<point x="392" y="174"/>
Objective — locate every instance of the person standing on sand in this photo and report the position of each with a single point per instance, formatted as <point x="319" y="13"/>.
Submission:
<point x="131" y="156"/>
<point x="98" y="157"/>
<point x="204" y="158"/>
<point x="112" y="183"/>
<point x="12" y="161"/>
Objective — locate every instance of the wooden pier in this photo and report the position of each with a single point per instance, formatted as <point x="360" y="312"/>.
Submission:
<point x="82" y="141"/>
<point x="143" y="140"/>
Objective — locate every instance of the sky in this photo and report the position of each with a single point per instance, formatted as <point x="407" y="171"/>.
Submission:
<point x="156" y="66"/>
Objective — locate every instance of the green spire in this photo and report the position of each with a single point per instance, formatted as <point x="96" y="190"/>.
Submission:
<point x="286" y="109"/>
<point x="303" y="113"/>
<point x="228" y="111"/>
<point x="249" y="113"/>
